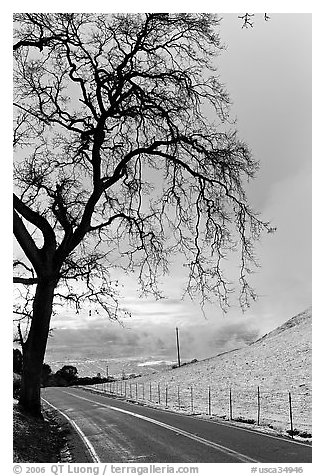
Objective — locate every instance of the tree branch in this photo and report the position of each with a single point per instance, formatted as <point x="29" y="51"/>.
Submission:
<point x="39" y="221"/>
<point x="26" y="242"/>
<point x="27" y="281"/>
<point x="36" y="43"/>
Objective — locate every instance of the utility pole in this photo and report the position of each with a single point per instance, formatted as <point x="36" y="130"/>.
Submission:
<point x="177" y="342"/>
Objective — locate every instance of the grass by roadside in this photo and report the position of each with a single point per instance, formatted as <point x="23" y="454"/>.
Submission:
<point x="36" y="441"/>
<point x="300" y="436"/>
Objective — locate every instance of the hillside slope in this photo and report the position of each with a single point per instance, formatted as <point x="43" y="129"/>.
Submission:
<point x="272" y="366"/>
<point x="301" y="319"/>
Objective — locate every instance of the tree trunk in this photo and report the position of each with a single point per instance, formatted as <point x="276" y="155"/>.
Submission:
<point x="34" y="348"/>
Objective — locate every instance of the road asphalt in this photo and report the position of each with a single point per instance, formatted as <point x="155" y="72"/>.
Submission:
<point x="115" y="431"/>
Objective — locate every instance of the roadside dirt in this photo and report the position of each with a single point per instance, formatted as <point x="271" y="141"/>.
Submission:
<point x="49" y="441"/>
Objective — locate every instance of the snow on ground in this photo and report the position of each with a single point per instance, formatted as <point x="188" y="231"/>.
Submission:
<point x="251" y="383"/>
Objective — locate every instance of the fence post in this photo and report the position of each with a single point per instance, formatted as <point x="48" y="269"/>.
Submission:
<point x="159" y="393"/>
<point x="258" y="405"/>
<point x="290" y="412"/>
<point x="150" y="393"/>
<point x="230" y="405"/>
<point x="136" y="391"/>
<point x="192" y="405"/>
<point x="166" y="391"/>
<point x="209" y="401"/>
<point x="143" y="391"/>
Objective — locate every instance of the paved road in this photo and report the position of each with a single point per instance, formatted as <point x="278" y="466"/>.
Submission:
<point x="116" y="431"/>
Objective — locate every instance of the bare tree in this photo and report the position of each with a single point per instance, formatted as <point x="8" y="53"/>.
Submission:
<point x="124" y="156"/>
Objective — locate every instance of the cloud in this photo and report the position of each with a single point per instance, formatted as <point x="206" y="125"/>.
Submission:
<point x="285" y="278"/>
<point x="199" y="340"/>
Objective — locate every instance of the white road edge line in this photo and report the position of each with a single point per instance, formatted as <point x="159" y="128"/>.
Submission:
<point x="267" y="435"/>
<point x="223" y="449"/>
<point x="84" y="438"/>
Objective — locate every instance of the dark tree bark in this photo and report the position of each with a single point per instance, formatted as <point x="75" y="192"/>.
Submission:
<point x="35" y="346"/>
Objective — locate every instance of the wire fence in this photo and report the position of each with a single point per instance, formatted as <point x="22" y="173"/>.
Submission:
<point x="289" y="410"/>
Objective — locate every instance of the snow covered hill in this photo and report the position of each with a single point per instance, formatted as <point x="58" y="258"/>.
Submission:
<point x="251" y="383"/>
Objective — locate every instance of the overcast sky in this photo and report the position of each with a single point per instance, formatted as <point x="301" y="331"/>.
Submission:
<point x="267" y="71"/>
